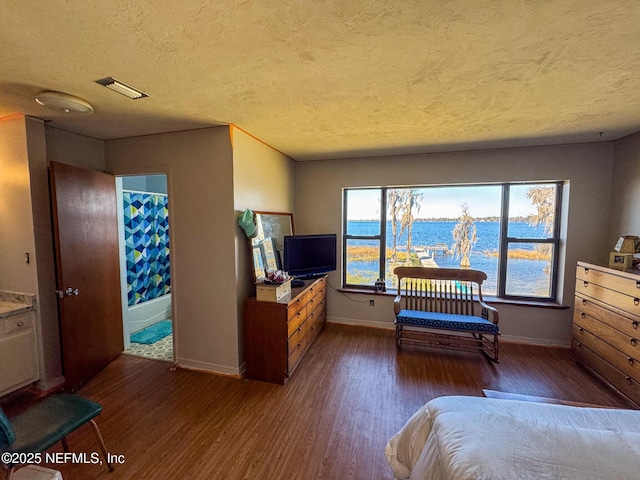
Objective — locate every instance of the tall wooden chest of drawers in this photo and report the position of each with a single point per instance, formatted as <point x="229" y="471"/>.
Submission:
<point x="606" y="326"/>
<point x="278" y="334"/>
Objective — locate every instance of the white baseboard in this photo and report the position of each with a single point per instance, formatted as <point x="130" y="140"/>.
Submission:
<point x="543" y="342"/>
<point x="361" y="323"/>
<point x="503" y="338"/>
<point x="208" y="367"/>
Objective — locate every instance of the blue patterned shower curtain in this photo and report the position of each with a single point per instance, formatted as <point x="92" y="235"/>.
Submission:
<point x="146" y="228"/>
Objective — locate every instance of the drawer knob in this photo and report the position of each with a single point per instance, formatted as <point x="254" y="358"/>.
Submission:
<point x="636" y="301"/>
<point x="628" y="380"/>
<point x="584" y="302"/>
<point x="586" y="270"/>
<point x="635" y="325"/>
<point x="638" y="284"/>
<point x="630" y="360"/>
<point x="581" y="330"/>
<point x="581" y="314"/>
<point x="21" y="324"/>
<point x="579" y="344"/>
<point x="634" y="342"/>
<point x="586" y="284"/>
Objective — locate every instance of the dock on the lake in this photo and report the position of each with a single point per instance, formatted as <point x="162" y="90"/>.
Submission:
<point x="426" y="259"/>
<point x="438" y="248"/>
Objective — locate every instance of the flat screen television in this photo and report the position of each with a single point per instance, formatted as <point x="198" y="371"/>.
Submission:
<point x="308" y="256"/>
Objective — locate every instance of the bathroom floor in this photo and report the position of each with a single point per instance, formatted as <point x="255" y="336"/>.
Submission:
<point x="161" y="350"/>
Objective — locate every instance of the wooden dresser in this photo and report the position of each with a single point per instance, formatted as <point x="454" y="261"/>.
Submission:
<point x="606" y="326"/>
<point x="278" y="334"/>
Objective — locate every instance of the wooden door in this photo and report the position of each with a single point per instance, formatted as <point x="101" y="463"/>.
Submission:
<point x="87" y="270"/>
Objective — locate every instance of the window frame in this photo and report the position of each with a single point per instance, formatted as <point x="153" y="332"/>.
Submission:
<point x="503" y="243"/>
<point x="379" y="238"/>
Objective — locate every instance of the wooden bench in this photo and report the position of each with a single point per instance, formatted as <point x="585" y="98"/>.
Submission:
<point x="436" y="307"/>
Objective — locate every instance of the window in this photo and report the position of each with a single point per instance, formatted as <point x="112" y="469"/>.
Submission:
<point x="509" y="231"/>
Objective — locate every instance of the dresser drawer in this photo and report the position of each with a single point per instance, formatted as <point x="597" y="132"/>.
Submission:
<point x="320" y="304"/>
<point x="298" y="350"/>
<point x="624" y="324"/>
<point x="627" y="286"/>
<point x="316" y="290"/>
<point x="625" y="363"/>
<point x="298" y="335"/>
<point x="629" y="345"/>
<point x="621" y="301"/>
<point x="295" y="307"/>
<point x="317" y="287"/>
<point x="611" y="375"/>
<point x="305" y="335"/>
<point x="296" y="320"/>
<point x="318" y="322"/>
<point x="316" y="302"/>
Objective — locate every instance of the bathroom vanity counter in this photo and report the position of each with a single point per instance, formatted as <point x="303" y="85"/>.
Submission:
<point x="9" y="309"/>
<point x="12" y="303"/>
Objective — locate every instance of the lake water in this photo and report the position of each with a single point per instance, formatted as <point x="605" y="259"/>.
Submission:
<point x="524" y="276"/>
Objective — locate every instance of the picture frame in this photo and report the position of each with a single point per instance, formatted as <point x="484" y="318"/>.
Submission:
<point x="258" y="263"/>
<point x="271" y="255"/>
<point x="620" y="260"/>
<point x="271" y="228"/>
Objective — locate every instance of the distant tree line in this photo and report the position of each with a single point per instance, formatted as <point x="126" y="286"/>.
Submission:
<point x="523" y="219"/>
<point x="404" y="204"/>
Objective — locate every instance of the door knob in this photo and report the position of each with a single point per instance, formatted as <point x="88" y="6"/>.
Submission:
<point x="71" y="291"/>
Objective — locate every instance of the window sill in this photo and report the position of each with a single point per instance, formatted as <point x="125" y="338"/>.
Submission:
<point x="488" y="299"/>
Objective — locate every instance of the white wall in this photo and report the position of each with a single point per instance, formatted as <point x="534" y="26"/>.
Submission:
<point x="587" y="168"/>
<point x="25" y="219"/>
<point x="16" y="232"/>
<point x="625" y="194"/>
<point x="74" y="149"/>
<point x="263" y="180"/>
<point x="199" y="168"/>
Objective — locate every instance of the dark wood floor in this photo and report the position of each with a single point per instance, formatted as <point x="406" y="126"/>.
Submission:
<point x="332" y="420"/>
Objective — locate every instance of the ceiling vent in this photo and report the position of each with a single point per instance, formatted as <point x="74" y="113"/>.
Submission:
<point x="122" y="88"/>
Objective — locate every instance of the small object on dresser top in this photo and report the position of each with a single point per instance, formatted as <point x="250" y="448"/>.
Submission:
<point x="296" y="283"/>
<point x="272" y="292"/>
<point x="621" y="260"/>
<point x="276" y="276"/>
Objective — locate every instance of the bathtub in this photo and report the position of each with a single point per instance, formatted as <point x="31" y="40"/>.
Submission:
<point x="144" y="314"/>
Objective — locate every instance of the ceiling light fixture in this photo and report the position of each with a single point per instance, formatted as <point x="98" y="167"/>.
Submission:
<point x="61" y="102"/>
<point x="121" y="88"/>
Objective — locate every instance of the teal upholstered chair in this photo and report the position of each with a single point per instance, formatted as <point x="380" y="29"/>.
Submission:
<point x="46" y="423"/>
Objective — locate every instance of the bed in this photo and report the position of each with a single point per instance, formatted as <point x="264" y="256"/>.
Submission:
<point x="464" y="438"/>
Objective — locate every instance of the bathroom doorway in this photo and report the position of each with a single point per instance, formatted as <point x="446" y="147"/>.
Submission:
<point x="145" y="272"/>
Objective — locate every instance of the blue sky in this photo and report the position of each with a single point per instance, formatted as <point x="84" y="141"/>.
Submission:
<point x="483" y="201"/>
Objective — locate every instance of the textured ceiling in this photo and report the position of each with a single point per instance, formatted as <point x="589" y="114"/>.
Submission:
<point x="325" y="79"/>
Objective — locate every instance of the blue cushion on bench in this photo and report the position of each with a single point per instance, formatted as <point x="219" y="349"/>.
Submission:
<point x="449" y="321"/>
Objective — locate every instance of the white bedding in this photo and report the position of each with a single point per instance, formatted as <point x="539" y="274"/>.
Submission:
<point x="464" y="438"/>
